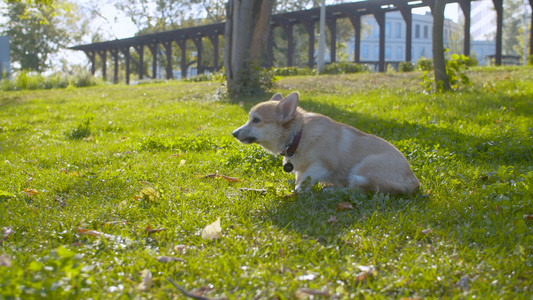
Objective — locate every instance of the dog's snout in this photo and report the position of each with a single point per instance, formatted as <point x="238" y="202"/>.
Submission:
<point x="236" y="133"/>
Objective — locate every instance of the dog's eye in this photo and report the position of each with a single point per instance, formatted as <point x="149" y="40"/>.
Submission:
<point x="256" y="120"/>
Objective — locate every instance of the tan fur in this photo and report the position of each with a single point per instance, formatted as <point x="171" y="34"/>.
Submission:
<point x="329" y="151"/>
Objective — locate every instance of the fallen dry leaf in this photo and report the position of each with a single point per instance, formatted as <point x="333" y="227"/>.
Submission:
<point x="95" y="233"/>
<point x="31" y="192"/>
<point x="332" y="219"/>
<point x="305" y="292"/>
<point x="180" y="249"/>
<point x="528" y="217"/>
<point x="230" y="179"/>
<point x="463" y="283"/>
<point x="167" y="259"/>
<point x="367" y="272"/>
<point x="151" y="230"/>
<point x="5" y="261"/>
<point x="344" y="206"/>
<point x="426" y="231"/>
<point x="148" y="194"/>
<point x="8" y="231"/>
<point x="146" y="282"/>
<point x="192" y="294"/>
<point x="212" y="231"/>
<point x="113" y="223"/>
<point x="293" y="194"/>
<point x="215" y="175"/>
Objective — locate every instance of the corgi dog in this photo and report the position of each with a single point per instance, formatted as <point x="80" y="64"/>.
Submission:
<point x="316" y="147"/>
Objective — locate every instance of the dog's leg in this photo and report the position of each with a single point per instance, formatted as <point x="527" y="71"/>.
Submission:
<point x="315" y="172"/>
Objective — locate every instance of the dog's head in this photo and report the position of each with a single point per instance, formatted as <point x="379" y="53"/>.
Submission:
<point x="265" y="122"/>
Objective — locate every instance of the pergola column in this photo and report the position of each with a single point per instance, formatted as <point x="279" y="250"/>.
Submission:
<point x="91" y="54"/>
<point x="154" y="48"/>
<point x="114" y="53"/>
<point x="103" y="55"/>
<point x="356" y="23"/>
<point x="182" y="43"/>
<point x="287" y="28"/>
<point x="214" y="42"/>
<point x="140" y="50"/>
<point x="531" y="29"/>
<point x="127" y="56"/>
<point x="408" y="18"/>
<point x="168" y="54"/>
<point x="498" y="6"/>
<point x="310" y="28"/>
<point x="380" y="19"/>
<point x="466" y="8"/>
<point x="331" y="21"/>
<point x="199" y="48"/>
<point x="270" y="48"/>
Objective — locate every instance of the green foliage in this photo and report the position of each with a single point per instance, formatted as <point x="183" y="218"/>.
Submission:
<point x="82" y="131"/>
<point x="258" y="81"/>
<point x="25" y="80"/>
<point x="345" y="68"/>
<point x="456" y="68"/>
<point x="293" y="71"/>
<point x="38" y="31"/>
<point x="530" y="60"/>
<point x="406" y="66"/>
<point x="217" y="76"/>
<point x="425" y="64"/>
<point x="82" y="220"/>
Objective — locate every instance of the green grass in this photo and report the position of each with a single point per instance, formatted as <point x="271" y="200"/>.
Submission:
<point x="138" y="155"/>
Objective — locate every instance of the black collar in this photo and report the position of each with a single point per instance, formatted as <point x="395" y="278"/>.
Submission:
<point x="290" y="151"/>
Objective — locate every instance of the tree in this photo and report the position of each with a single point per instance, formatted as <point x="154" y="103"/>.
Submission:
<point x="513" y="15"/>
<point x="246" y="33"/>
<point x="439" y="62"/>
<point x="39" y="32"/>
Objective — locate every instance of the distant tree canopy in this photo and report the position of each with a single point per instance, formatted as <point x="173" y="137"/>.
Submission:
<point x="38" y="30"/>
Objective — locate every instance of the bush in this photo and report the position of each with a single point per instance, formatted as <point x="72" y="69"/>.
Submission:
<point x="406" y="66"/>
<point x="26" y="81"/>
<point x="345" y="68"/>
<point x="216" y="76"/>
<point x="425" y="64"/>
<point x="293" y="71"/>
<point x="530" y="60"/>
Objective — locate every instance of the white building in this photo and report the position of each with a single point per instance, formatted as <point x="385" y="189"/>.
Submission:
<point x="421" y="39"/>
<point x="5" y="64"/>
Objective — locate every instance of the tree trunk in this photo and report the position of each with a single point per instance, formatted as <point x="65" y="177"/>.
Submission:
<point x="246" y="33"/>
<point x="439" y="63"/>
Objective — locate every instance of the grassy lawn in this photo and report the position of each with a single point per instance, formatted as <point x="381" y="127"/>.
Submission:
<point x="104" y="194"/>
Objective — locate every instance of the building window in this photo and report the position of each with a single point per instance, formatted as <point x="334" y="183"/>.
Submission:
<point x="417" y="31"/>
<point x="365" y="51"/>
<point x="426" y="32"/>
<point x="399" y="52"/>
<point x="387" y="29"/>
<point x="422" y="52"/>
<point x="376" y="30"/>
<point x="388" y="52"/>
<point x="376" y="51"/>
<point x="398" y="30"/>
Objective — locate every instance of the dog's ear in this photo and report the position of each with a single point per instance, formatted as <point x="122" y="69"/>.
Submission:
<point x="287" y="107"/>
<point x="277" y="97"/>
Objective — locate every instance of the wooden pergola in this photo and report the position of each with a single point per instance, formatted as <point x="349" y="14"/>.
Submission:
<point x="286" y="21"/>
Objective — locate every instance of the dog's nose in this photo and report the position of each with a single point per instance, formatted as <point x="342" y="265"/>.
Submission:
<point x="236" y="133"/>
